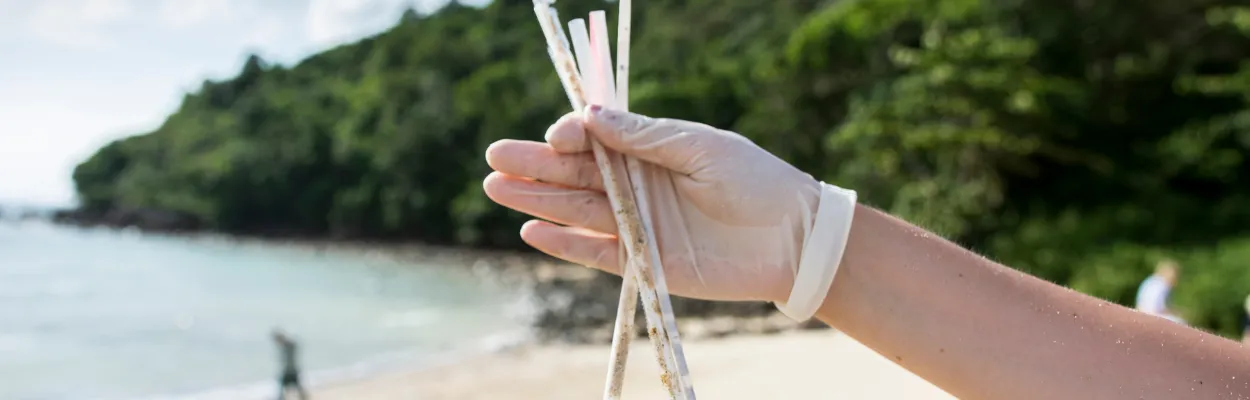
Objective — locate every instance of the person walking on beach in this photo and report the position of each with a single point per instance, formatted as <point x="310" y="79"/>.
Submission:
<point x="1245" y="321"/>
<point x="741" y="224"/>
<point x="289" y="377"/>
<point x="1155" y="291"/>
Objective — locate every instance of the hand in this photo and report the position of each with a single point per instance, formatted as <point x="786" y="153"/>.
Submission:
<point x="730" y="218"/>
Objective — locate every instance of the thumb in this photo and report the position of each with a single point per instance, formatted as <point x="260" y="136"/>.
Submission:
<point x="674" y="144"/>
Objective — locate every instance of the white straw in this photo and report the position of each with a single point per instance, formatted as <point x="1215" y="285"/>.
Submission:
<point x="566" y="68"/>
<point x="603" y="60"/>
<point x="638" y="183"/>
<point x="591" y="61"/>
<point x="555" y="22"/>
<point x="581" y="46"/>
<point x="626" y="309"/>
<point x="624" y="25"/>
<point x="631" y="232"/>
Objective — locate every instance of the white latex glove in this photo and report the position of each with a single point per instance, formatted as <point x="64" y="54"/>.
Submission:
<point x="731" y="219"/>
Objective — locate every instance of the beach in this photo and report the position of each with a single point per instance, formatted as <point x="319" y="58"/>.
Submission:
<point x="799" y="364"/>
<point x="374" y="323"/>
<point x="129" y="316"/>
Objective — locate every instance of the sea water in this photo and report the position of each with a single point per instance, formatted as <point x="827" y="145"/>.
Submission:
<point x="99" y="314"/>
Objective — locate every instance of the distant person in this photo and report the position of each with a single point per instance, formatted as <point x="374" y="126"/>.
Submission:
<point x="1245" y="321"/>
<point x="289" y="378"/>
<point x="1155" y="291"/>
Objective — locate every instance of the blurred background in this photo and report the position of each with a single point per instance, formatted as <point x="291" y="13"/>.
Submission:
<point x="180" y="177"/>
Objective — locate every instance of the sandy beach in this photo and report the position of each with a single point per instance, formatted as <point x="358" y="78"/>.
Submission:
<point x="809" y="365"/>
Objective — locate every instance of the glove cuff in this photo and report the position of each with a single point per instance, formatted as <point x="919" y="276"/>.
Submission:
<point x="822" y="252"/>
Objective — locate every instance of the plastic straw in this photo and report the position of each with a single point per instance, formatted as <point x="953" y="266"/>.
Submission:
<point x="623" y="329"/>
<point x="625" y="209"/>
<point x="595" y="63"/>
<point x="602" y="62"/>
<point x="581" y="46"/>
<point x="599" y="42"/>
<point x="624" y="25"/>
<point x="627" y="306"/>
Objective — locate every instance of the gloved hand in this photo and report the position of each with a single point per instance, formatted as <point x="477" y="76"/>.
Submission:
<point x="730" y="218"/>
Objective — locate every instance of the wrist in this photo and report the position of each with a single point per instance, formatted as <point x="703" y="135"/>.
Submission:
<point x="844" y="293"/>
<point x="821" y="252"/>
<point x="860" y="285"/>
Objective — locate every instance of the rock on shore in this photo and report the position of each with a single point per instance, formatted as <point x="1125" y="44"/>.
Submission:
<point x="148" y="220"/>
<point x="574" y="304"/>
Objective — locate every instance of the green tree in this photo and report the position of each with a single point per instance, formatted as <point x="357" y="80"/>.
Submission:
<point x="1080" y="141"/>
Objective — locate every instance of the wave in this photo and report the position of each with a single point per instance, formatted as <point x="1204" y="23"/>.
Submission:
<point x="394" y="362"/>
<point x="13" y="342"/>
<point x="411" y="318"/>
<point x="56" y="289"/>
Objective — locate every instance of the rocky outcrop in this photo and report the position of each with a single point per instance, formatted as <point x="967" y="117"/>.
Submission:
<point x="145" y="219"/>
<point x="581" y="308"/>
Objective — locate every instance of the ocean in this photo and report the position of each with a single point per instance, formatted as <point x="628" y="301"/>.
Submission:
<point x="101" y="314"/>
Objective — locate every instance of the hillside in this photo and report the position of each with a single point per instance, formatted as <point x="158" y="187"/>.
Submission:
<point x="1079" y="141"/>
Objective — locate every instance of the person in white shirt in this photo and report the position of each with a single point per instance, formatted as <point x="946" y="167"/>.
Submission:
<point x="1153" y="294"/>
<point x="1245" y="321"/>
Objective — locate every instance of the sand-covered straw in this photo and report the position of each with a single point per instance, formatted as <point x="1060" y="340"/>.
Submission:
<point x="619" y="193"/>
<point x="639" y="182"/>
<point x="626" y="308"/>
<point x="596" y="68"/>
<point x="606" y="93"/>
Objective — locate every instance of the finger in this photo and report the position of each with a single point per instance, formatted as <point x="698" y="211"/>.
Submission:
<point x="575" y="207"/>
<point x="678" y="145"/>
<point x="541" y="162"/>
<point x="575" y="245"/>
<point x="568" y="135"/>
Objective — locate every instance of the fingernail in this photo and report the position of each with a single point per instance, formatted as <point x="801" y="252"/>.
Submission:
<point x="615" y="120"/>
<point x="595" y="108"/>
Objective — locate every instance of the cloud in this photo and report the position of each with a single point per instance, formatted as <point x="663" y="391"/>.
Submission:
<point x="78" y="23"/>
<point x="103" y="24"/>
<point x="94" y="70"/>
<point x="190" y="13"/>
<point x="248" y="24"/>
<point x="331" y="22"/>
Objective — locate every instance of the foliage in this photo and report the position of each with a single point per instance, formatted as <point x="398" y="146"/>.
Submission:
<point x="1080" y="141"/>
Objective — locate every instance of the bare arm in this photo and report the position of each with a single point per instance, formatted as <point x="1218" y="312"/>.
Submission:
<point x="973" y="327"/>
<point x="980" y="330"/>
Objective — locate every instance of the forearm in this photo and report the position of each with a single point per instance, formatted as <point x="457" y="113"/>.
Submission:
<point x="981" y="330"/>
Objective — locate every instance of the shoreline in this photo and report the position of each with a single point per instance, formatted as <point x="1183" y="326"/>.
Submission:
<point x="568" y="307"/>
<point x="392" y="375"/>
<point x="807" y="364"/>
<point x="397" y="362"/>
<point x="567" y="302"/>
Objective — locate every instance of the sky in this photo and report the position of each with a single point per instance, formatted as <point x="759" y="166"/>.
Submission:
<point x="76" y="74"/>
